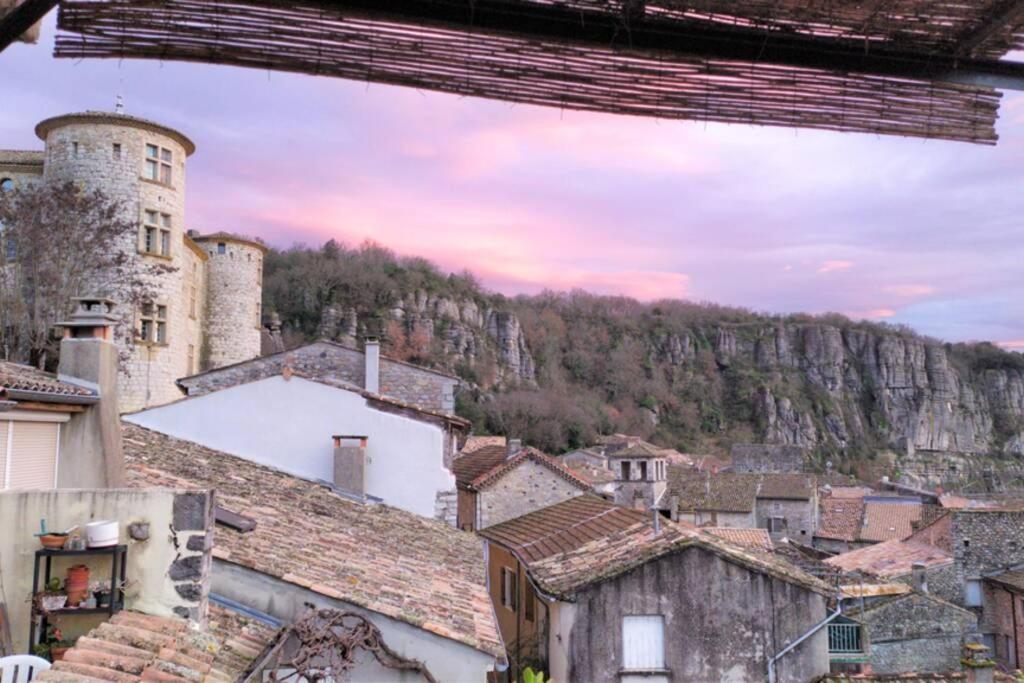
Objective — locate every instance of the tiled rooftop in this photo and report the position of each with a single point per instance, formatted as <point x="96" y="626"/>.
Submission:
<point x="487" y="465"/>
<point x="592" y="474"/>
<point x="840" y="518"/>
<point x="890" y="559"/>
<point x="885" y="521"/>
<point x="28" y="378"/>
<point x="475" y="443"/>
<point x="468" y="466"/>
<point x="381" y="558"/>
<point x="604" y="558"/>
<point x="562" y="527"/>
<point x="132" y="646"/>
<point x="756" y="539"/>
<point x="18" y="157"/>
<point x="1011" y="579"/>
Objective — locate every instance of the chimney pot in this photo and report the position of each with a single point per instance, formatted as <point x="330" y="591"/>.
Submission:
<point x="513" y="448"/>
<point x="371" y="351"/>
<point x="919" y="577"/>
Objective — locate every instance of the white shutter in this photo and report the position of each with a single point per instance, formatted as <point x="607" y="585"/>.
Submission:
<point x="33" y="455"/>
<point x="643" y="643"/>
<point x="5" y="428"/>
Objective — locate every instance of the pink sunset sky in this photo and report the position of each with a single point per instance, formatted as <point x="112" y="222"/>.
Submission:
<point x="907" y="231"/>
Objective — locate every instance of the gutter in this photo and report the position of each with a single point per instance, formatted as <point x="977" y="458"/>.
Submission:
<point x="789" y="648"/>
<point x="48" y="397"/>
<point x="7" y="405"/>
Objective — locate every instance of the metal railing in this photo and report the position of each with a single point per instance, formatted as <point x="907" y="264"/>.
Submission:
<point x="844" y="639"/>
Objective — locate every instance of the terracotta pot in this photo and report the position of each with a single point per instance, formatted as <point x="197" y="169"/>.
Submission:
<point x="77" y="585"/>
<point x="53" y="541"/>
<point x="57" y="653"/>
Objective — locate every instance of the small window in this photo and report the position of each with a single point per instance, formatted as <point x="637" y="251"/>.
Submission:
<point x="625" y="471"/>
<point x="222" y="248"/>
<point x="117" y="151"/>
<point x="74" y="149"/>
<point x="643" y="470"/>
<point x="972" y="593"/>
<point x="158" y="164"/>
<point x="156" y="233"/>
<point x="643" y="643"/>
<point x="153" y="323"/>
<point x="508" y="588"/>
<point x="6" y="184"/>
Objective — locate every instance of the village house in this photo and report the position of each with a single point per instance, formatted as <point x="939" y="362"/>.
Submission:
<point x="784" y="504"/>
<point x="62" y="431"/>
<point x="590" y="591"/>
<point x="284" y="545"/>
<point x="202" y="305"/>
<point x="641" y="474"/>
<point x="851" y="518"/>
<point x="766" y="458"/>
<point x="496" y="483"/>
<point x="307" y="419"/>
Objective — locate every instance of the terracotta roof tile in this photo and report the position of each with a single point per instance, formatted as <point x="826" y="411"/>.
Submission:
<point x="732" y="491"/>
<point x="475" y="443"/>
<point x="757" y="539"/>
<point x="592" y="474"/>
<point x="840" y="518"/>
<point x="787" y="486"/>
<point x="469" y="466"/>
<point x="1011" y="579"/>
<point x="17" y="377"/>
<point x="561" y="527"/>
<point x="133" y="646"/>
<point x="377" y="557"/>
<point x="890" y="559"/>
<point x="885" y="521"/>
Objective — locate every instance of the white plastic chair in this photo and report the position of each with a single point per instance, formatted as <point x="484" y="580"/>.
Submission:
<point x="21" y="668"/>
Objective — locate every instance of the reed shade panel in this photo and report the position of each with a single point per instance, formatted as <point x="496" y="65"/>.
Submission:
<point x="324" y="39"/>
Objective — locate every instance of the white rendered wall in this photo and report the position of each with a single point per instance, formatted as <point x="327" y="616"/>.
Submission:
<point x="288" y="424"/>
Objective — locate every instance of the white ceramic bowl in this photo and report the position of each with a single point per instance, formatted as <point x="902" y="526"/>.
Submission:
<point x="102" y="534"/>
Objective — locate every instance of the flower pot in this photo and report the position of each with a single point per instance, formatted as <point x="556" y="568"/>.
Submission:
<point x="77" y="585"/>
<point x="102" y="598"/>
<point x="53" y="541"/>
<point x="52" y="602"/>
<point x="57" y="653"/>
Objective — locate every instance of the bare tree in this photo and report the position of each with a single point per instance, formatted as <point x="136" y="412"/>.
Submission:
<point x="57" y="242"/>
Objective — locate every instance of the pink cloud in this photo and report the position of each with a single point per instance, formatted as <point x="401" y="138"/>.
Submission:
<point x="835" y="266"/>
<point x="872" y="314"/>
<point x="1012" y="345"/>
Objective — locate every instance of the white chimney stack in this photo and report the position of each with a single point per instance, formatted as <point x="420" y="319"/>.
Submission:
<point x="372" y="353"/>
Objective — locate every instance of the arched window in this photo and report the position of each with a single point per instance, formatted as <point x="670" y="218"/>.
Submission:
<point x="6" y="184"/>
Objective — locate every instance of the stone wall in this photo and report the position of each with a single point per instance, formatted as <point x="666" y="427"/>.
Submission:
<point x="1004" y="620"/>
<point x="764" y="458"/>
<point x="526" y="488"/>
<point x="233" y="301"/>
<point x="446" y="508"/>
<point x="168" y="562"/>
<point x="916" y="633"/>
<point x="82" y="150"/>
<point x="799" y="516"/>
<point x="722" y="622"/>
<point x="942" y="582"/>
<point x="402" y="381"/>
<point x="985" y="541"/>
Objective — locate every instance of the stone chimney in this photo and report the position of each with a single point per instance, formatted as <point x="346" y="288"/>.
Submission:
<point x="919" y="577"/>
<point x="977" y="663"/>
<point x="88" y="357"/>
<point x="372" y="352"/>
<point x="514" y="447"/>
<point x="350" y="463"/>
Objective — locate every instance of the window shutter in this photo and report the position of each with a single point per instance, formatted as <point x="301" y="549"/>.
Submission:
<point x="643" y="642"/>
<point x="34" y="455"/>
<point x="4" y="431"/>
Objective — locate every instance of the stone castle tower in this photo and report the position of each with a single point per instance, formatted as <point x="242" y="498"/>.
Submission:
<point x="202" y="308"/>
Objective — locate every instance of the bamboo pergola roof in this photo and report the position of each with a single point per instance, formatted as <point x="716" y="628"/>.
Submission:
<point x="900" y="67"/>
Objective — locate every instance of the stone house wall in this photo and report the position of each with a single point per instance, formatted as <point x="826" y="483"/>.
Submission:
<point x="738" y="520"/>
<point x="767" y="458"/>
<point x="1004" y="620"/>
<point x="525" y="488"/>
<point x="402" y="381"/>
<point x="234" y="292"/>
<point x="942" y="582"/>
<point x="985" y="541"/>
<point x="722" y="622"/>
<point x="799" y="516"/>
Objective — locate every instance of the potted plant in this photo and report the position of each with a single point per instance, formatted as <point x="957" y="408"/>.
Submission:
<point x="101" y="591"/>
<point x="53" y="645"/>
<point x="52" y="598"/>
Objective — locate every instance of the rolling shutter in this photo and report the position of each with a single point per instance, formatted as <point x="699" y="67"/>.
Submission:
<point x="5" y="428"/>
<point x="33" y="456"/>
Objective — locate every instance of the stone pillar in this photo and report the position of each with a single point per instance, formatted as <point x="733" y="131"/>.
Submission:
<point x="193" y="535"/>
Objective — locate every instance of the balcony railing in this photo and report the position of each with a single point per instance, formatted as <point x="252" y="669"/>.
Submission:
<point x="844" y="639"/>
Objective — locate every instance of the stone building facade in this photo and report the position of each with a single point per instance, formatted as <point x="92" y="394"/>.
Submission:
<point x="171" y="316"/>
<point x="412" y="384"/>
<point x="764" y="458"/>
<point x="527" y="487"/>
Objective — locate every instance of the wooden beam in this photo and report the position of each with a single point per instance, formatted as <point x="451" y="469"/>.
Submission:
<point x="1006" y="15"/>
<point x="50" y="407"/>
<point x="22" y="18"/>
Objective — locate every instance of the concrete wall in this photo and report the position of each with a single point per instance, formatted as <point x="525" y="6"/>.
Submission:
<point x="288" y="424"/>
<point x="402" y="381"/>
<point x="722" y="623"/>
<point x="166" y="573"/>
<point x="526" y="488"/>
<point x="447" y="660"/>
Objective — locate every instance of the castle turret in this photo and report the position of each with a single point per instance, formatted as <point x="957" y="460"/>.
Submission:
<point x="234" y="292"/>
<point x="142" y="165"/>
